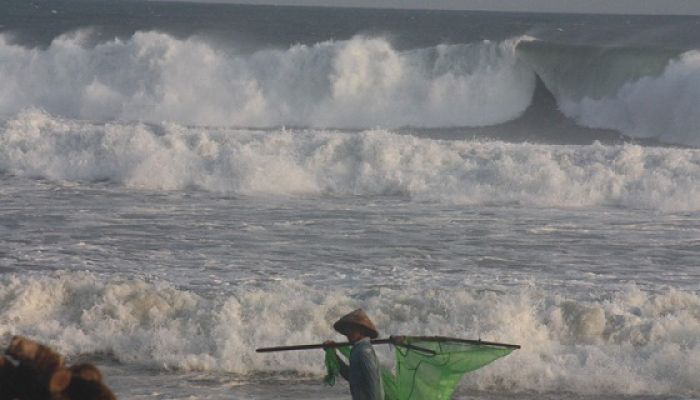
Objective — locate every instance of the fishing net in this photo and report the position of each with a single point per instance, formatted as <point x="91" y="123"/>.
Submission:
<point x="422" y="375"/>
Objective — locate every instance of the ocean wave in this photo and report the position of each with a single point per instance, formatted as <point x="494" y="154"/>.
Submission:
<point x="622" y="342"/>
<point x="663" y="107"/>
<point x="643" y="93"/>
<point x="369" y="163"/>
<point x="358" y="83"/>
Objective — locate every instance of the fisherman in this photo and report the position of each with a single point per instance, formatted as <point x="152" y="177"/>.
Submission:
<point x="363" y="372"/>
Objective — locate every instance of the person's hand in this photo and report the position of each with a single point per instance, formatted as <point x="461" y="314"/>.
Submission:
<point x="328" y="344"/>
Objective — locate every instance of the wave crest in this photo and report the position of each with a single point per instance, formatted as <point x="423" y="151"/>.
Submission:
<point x="359" y="83"/>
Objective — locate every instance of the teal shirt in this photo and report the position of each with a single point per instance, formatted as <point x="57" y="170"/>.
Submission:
<point x="364" y="373"/>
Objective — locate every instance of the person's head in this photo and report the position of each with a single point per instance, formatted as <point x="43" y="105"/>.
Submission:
<point x="356" y="333"/>
<point x="356" y="326"/>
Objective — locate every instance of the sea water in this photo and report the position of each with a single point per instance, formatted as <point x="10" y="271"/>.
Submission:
<point x="182" y="183"/>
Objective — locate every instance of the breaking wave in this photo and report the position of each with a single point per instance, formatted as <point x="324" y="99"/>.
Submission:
<point x="624" y="342"/>
<point x="664" y="107"/>
<point x="369" y="163"/>
<point x="643" y="93"/>
<point x="358" y="83"/>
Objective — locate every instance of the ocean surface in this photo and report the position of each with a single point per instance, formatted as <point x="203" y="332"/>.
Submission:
<point x="182" y="183"/>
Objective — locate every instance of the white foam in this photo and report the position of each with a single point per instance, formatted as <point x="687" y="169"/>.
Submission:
<point x="370" y="163"/>
<point x="362" y="82"/>
<point x="623" y="342"/>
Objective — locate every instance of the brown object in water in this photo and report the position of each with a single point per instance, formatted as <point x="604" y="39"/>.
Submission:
<point x="7" y="379"/>
<point x="41" y="375"/>
<point x="30" y="383"/>
<point x="39" y="356"/>
<point x="81" y="389"/>
<point x="86" y="372"/>
<point x="59" y="380"/>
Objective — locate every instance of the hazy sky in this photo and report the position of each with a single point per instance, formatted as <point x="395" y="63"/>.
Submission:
<point x="592" y="6"/>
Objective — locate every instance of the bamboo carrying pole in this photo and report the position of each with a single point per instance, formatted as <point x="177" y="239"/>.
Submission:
<point x="395" y="340"/>
<point x="316" y="346"/>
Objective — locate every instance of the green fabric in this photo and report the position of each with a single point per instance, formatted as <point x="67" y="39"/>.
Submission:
<point x="332" y="364"/>
<point x="423" y="376"/>
<point x="332" y="368"/>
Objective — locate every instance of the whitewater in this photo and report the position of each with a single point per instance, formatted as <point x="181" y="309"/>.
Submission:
<point x="182" y="183"/>
<point x="358" y="83"/>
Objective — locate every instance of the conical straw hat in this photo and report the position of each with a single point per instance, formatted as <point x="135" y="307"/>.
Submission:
<point x="356" y="318"/>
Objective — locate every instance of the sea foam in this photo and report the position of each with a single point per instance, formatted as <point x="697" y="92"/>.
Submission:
<point x="622" y="342"/>
<point x="358" y="83"/>
<point x="363" y="82"/>
<point x="286" y="162"/>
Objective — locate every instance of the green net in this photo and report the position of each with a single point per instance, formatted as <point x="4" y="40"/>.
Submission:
<point x="332" y="365"/>
<point x="424" y="376"/>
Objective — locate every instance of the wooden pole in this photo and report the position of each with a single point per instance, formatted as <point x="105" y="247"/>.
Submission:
<point x="395" y="340"/>
<point x="315" y="346"/>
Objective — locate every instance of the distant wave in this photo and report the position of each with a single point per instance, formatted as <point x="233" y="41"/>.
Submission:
<point x="372" y="163"/>
<point x="626" y="342"/>
<point x="666" y="107"/>
<point x="359" y="83"/>
<point x="643" y="93"/>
